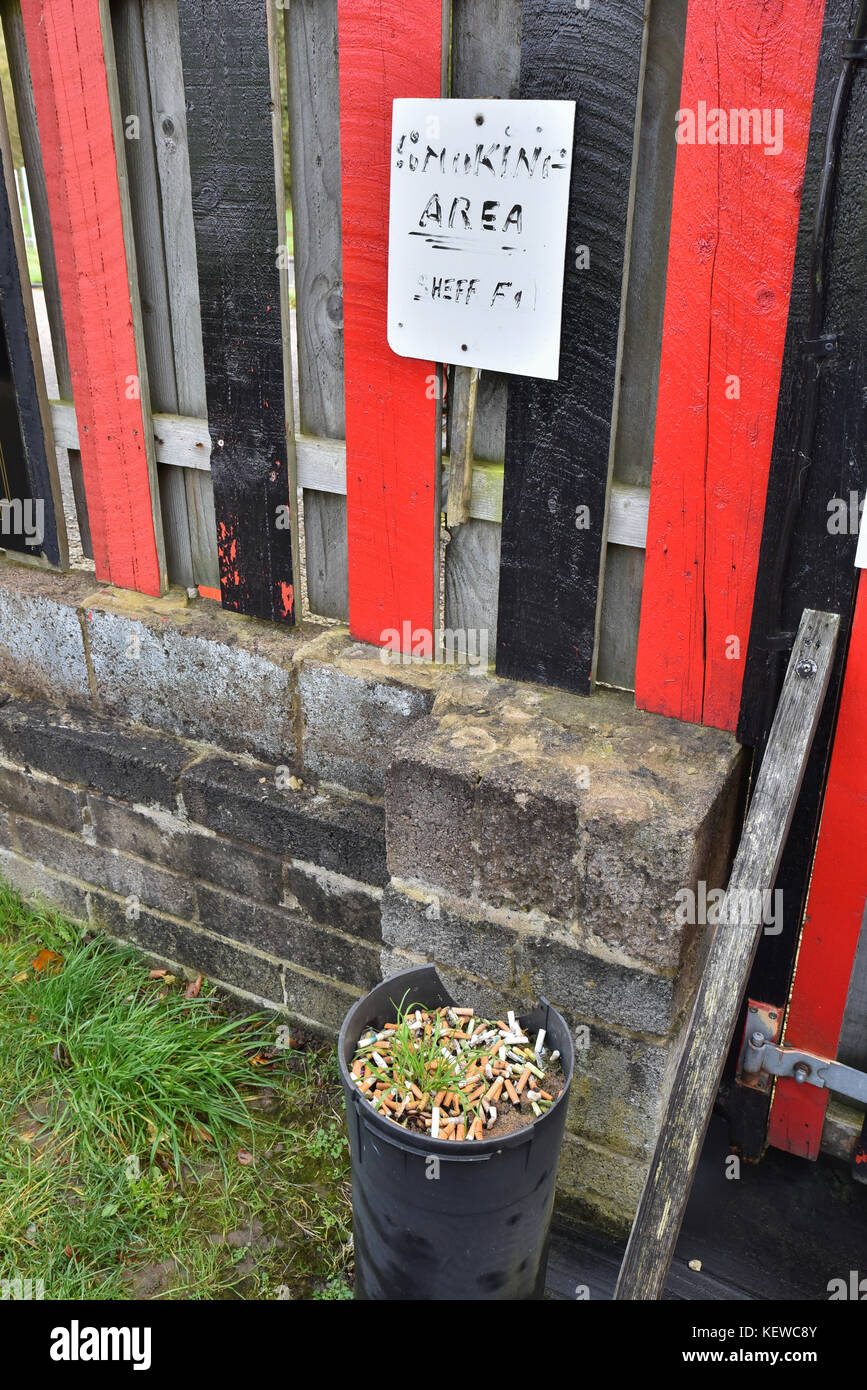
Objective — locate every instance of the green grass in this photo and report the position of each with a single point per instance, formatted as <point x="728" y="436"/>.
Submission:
<point x="154" y="1145"/>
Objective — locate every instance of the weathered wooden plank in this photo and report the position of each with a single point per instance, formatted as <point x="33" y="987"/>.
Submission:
<point x="25" y="111"/>
<point x="28" y="468"/>
<point x="392" y="415"/>
<point x="314" y="133"/>
<point x="812" y="464"/>
<point x="141" y="167"/>
<point x="486" y="61"/>
<point x="72" y="87"/>
<point x="185" y="443"/>
<point x="559" y="434"/>
<point x="642" y="333"/>
<point x="835" y="911"/>
<point x="165" y="75"/>
<point x="235" y="144"/>
<point x="733" y="232"/>
<point x="687" y="1112"/>
<point x="621" y="609"/>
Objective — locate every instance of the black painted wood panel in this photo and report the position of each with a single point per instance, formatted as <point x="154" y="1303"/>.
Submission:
<point x="237" y="211"/>
<point x="558" y="434"/>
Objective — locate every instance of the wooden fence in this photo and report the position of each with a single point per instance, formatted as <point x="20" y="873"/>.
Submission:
<point x="152" y="139"/>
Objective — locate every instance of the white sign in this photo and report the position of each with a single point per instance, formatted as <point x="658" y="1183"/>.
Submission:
<point x="861" y="552"/>
<point x="477" y="232"/>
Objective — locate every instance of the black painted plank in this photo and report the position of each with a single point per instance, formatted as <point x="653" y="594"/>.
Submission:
<point x="25" y="474"/>
<point x="821" y="571"/>
<point x="558" y="434"/>
<point x="228" y="55"/>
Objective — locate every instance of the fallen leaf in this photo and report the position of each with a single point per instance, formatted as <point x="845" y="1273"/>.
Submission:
<point x="69" y="1252"/>
<point x="20" y="977"/>
<point x="244" y="1156"/>
<point x="45" y="958"/>
<point x="192" y="989"/>
<point x="157" y="974"/>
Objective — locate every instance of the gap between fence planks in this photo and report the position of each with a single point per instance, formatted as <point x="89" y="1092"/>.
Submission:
<point x="835" y="909"/>
<point x="72" y="87"/>
<point x="25" y="428"/>
<point x="687" y="1112"/>
<point x="392" y="403"/>
<point x="733" y="231"/>
<point x="25" y="113"/>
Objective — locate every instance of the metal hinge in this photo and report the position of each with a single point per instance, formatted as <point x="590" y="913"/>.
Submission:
<point x="762" y="1058"/>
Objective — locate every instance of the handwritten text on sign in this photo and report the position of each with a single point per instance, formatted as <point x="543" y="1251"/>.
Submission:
<point x="477" y="232"/>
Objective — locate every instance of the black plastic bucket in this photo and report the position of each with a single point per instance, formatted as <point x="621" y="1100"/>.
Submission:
<point x="475" y="1225"/>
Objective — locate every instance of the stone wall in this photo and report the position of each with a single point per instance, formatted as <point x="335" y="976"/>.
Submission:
<point x="295" y="818"/>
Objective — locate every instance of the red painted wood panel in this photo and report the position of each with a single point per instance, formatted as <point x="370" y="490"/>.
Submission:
<point x="386" y="51"/>
<point x="70" y="87"/>
<point x="734" y="227"/>
<point x="835" y="909"/>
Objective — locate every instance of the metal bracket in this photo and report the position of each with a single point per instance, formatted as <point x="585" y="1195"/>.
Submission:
<point x="822" y="346"/>
<point x="765" y="1020"/>
<point x="855" y="50"/>
<point x="762" y="1058"/>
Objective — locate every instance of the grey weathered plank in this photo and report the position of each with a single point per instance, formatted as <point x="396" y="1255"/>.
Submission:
<point x="140" y="154"/>
<point x="486" y="61"/>
<point x="314" y="133"/>
<point x="461" y="448"/>
<point x="25" y="110"/>
<point x="621" y="607"/>
<point x="166" y="83"/>
<point x="672" y="1169"/>
<point x="642" y="334"/>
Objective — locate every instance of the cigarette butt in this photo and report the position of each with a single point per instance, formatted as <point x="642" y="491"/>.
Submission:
<point x="555" y="1056"/>
<point x="464" y="1013"/>
<point x="492" y="1117"/>
<point x="462" y="1131"/>
<point x="535" y="1108"/>
<point x="478" y="1129"/>
<point x="494" y="1091"/>
<point x="502" y="1025"/>
<point x="540" y="1041"/>
<point x="415" y="1090"/>
<point x="523" y="1079"/>
<point x="448" y="1132"/>
<point x="435" y="1122"/>
<point x="356" y="1069"/>
<point x="546" y="1095"/>
<point x="471" y="1100"/>
<point x="439" y="1099"/>
<point x="512" y="1093"/>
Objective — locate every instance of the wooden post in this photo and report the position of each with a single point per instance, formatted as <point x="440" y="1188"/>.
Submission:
<point x="392" y="403"/>
<point x="835" y="910"/>
<point x="733" y="232"/>
<point x="67" y="45"/>
<point x="687" y="1112"/>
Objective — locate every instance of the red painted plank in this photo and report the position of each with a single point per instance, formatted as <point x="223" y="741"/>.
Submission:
<point x="835" y="909"/>
<point x="70" y="87"/>
<point x="386" y="51"/>
<point x="734" y="227"/>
